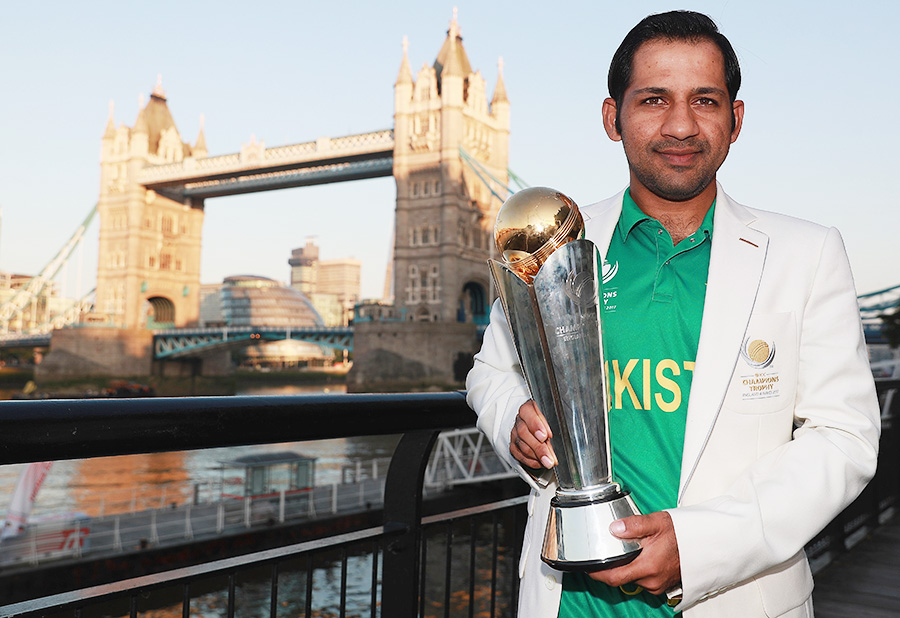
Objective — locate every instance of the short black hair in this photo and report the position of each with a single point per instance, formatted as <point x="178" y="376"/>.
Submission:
<point x="676" y="26"/>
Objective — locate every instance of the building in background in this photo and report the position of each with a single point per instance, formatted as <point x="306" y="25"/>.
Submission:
<point x="304" y="263"/>
<point x="333" y="286"/>
<point x="39" y="310"/>
<point x="247" y="300"/>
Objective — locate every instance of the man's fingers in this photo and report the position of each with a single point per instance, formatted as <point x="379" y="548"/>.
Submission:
<point x="529" y="438"/>
<point x="641" y="526"/>
<point x="615" y="577"/>
<point x="658" y="567"/>
<point x="537" y="454"/>
<point x="634" y="527"/>
<point x="535" y="421"/>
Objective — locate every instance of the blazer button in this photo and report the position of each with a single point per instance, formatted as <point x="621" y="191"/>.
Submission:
<point x="550" y="581"/>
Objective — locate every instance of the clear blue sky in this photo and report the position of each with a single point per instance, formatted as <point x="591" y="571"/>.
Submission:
<point x="819" y="141"/>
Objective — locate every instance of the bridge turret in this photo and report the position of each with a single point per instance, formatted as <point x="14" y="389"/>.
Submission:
<point x="500" y="114"/>
<point x="500" y="102"/>
<point x="443" y="210"/>
<point x="108" y="143"/>
<point x="148" y="270"/>
<point x="199" y="150"/>
<point x="404" y="83"/>
<point x="140" y="133"/>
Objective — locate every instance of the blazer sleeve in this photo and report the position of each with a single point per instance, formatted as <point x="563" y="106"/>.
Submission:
<point x="496" y="389"/>
<point x="787" y="496"/>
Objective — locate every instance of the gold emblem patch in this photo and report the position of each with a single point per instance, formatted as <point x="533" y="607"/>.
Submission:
<point x="758" y="353"/>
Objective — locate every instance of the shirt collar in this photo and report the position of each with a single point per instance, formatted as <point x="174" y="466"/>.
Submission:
<point x="632" y="215"/>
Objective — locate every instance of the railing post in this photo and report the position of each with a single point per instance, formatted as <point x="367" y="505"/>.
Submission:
<point x="403" y="524"/>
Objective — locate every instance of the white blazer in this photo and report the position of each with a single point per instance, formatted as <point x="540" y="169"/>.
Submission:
<point x="763" y="470"/>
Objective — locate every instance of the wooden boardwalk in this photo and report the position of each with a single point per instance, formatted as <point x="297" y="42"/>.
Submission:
<point x="864" y="582"/>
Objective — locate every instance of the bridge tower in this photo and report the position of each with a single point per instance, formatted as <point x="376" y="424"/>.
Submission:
<point x="444" y="213"/>
<point x="149" y="269"/>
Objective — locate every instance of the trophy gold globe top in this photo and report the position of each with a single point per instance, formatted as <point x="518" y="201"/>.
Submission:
<point x="532" y="224"/>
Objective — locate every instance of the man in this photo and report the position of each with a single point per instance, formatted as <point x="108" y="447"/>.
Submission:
<point x="743" y="414"/>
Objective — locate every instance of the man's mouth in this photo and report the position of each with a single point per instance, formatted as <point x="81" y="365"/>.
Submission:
<point x="679" y="156"/>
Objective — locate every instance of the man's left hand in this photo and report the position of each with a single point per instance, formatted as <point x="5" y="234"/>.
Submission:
<point x="658" y="567"/>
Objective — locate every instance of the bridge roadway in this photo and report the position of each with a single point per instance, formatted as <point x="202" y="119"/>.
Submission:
<point x="188" y="342"/>
<point x="257" y="168"/>
<point x="192" y="342"/>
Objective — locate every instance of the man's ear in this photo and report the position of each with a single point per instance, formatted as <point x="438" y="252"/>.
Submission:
<point x="737" y="108"/>
<point x="610" y="123"/>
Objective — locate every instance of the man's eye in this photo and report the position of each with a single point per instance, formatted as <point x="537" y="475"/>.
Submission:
<point x="706" y="101"/>
<point x="653" y="101"/>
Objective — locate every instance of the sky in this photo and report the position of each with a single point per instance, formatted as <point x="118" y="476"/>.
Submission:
<point x="819" y="139"/>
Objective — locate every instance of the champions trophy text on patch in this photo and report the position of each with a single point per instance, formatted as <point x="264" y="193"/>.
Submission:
<point x="762" y="381"/>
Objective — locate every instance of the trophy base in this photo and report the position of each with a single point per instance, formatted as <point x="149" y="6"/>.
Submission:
<point x="577" y="537"/>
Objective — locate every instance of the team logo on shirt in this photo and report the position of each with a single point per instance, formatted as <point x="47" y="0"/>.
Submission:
<point x="609" y="293"/>
<point x="758" y="353"/>
<point x="609" y="271"/>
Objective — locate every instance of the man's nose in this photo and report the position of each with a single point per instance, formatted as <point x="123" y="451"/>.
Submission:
<point x="680" y="122"/>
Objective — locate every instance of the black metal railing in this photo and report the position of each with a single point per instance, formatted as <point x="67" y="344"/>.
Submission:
<point x="879" y="501"/>
<point x="461" y="562"/>
<point x="406" y="557"/>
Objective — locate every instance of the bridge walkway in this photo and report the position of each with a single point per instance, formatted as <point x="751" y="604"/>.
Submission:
<point x="865" y="581"/>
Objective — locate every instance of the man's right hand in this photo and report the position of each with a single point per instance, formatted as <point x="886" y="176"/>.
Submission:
<point x="529" y="441"/>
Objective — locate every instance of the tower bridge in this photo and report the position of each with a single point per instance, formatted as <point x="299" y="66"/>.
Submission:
<point x="256" y="168"/>
<point x="154" y="188"/>
<point x="448" y="145"/>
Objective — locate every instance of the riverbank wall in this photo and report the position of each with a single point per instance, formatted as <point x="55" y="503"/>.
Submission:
<point x="411" y="356"/>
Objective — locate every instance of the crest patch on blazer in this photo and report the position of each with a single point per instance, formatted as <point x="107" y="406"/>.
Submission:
<point x="762" y="379"/>
<point x="758" y="353"/>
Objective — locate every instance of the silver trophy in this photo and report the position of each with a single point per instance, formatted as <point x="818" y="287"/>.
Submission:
<point x="549" y="286"/>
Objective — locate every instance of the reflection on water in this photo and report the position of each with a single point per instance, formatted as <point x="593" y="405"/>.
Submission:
<point x="134" y="482"/>
<point x="111" y="485"/>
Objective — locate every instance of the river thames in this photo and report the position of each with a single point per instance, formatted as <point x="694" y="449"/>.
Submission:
<point x="105" y="486"/>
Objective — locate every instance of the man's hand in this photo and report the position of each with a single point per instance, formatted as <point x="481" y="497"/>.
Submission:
<point x="658" y="567"/>
<point x="529" y="440"/>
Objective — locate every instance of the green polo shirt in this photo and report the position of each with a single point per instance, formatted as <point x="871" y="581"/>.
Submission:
<point x="653" y="296"/>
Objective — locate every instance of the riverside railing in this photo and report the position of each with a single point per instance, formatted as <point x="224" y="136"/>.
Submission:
<point x="402" y="552"/>
<point x="406" y="547"/>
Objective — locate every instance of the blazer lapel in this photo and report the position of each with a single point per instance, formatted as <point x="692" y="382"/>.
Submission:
<point x="600" y="221"/>
<point x="736" y="263"/>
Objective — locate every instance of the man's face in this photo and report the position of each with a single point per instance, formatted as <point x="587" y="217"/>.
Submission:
<point x="675" y="120"/>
